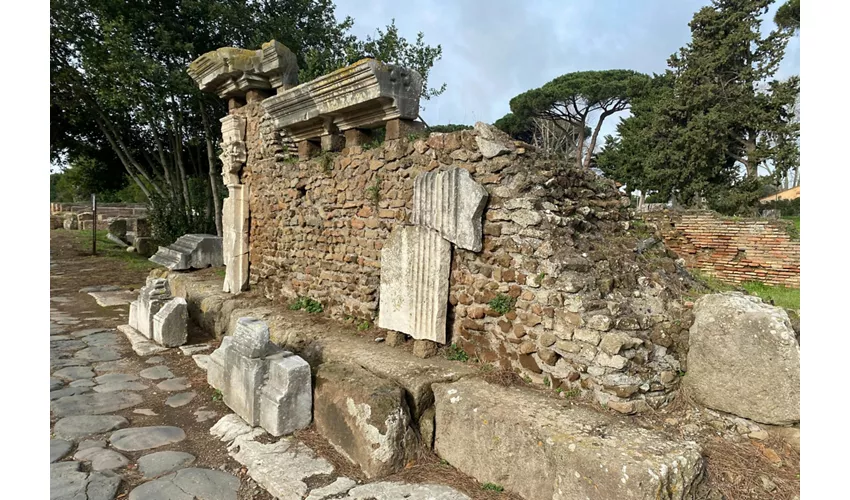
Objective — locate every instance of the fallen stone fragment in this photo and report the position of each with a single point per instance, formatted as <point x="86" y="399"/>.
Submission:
<point x="102" y="459"/>
<point x="191" y="251"/>
<point x="189" y="350"/>
<point x="232" y="426"/>
<point x="189" y="484"/>
<point x="204" y="415"/>
<point x="145" y="411"/>
<point x="94" y="403"/>
<point x="744" y="358"/>
<point x="169" y="323"/>
<point x="145" y="438"/>
<point x="156" y="373"/>
<point x="451" y="203"/>
<point x="121" y="386"/>
<point x="141" y="345"/>
<point x="113" y="298"/>
<point x="338" y="487"/>
<point x="202" y="360"/>
<point x="393" y="491"/>
<point x="174" y="384"/>
<point x="161" y="462"/>
<point x="74" y="373"/>
<point x="181" y="399"/>
<point x="100" y="288"/>
<point x="67" y="482"/>
<point x="86" y="425"/>
<point x="59" y="448"/>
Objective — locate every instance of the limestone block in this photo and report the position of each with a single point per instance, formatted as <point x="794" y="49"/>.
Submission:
<point x="451" y="203"/>
<point x="118" y="228"/>
<point x="191" y="251"/>
<point x="231" y="72"/>
<point x="287" y="398"/>
<point x="251" y="338"/>
<point x="70" y="223"/>
<point x="415" y="266"/>
<point x="152" y="297"/>
<point x="215" y="368"/>
<point x="364" y="417"/>
<point x="169" y="323"/>
<point x="364" y="95"/>
<point x="744" y="359"/>
<point x="234" y="151"/>
<point x="144" y="245"/>
<point x="491" y="141"/>
<point x="479" y="424"/>
<point x="243" y="379"/>
<point x="235" y="226"/>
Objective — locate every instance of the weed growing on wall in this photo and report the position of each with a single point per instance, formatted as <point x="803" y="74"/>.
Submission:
<point x="307" y="304"/>
<point x="374" y="191"/>
<point x="502" y="303"/>
<point x="492" y="487"/>
<point x="455" y="353"/>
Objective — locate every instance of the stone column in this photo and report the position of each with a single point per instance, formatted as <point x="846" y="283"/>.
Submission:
<point x="235" y="212"/>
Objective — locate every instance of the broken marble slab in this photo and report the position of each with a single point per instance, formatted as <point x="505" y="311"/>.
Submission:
<point x="113" y="298"/>
<point x="451" y="203"/>
<point x="414" y="291"/>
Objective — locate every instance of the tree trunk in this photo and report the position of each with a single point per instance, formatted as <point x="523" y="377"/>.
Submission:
<point x="751" y="163"/>
<point x="580" y="145"/>
<point x="592" y="144"/>
<point x="212" y="172"/>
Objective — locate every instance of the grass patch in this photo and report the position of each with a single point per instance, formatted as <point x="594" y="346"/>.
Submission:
<point x="307" y="304"/>
<point x="793" y="226"/>
<point x="455" y="353"/>
<point x="107" y="249"/>
<point x="374" y="192"/>
<point x="788" y="298"/>
<point x="363" y="326"/>
<point x="492" y="487"/>
<point x="217" y="395"/>
<point x="221" y="272"/>
<point x="502" y="303"/>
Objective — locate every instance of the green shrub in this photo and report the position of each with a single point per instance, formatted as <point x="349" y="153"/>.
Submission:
<point x="502" y="303"/>
<point x="492" y="487"/>
<point x="455" y="353"/>
<point x="307" y="304"/>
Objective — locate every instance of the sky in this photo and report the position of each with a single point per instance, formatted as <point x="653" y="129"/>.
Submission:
<point x="496" y="49"/>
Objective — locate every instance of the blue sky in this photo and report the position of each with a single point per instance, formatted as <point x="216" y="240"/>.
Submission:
<point x="496" y="49"/>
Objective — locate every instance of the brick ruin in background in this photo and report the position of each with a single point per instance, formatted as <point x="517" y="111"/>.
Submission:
<point x="552" y="286"/>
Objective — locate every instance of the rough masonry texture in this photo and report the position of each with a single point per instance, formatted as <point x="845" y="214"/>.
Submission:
<point x="451" y="203"/>
<point x="415" y="268"/>
<point x="744" y="359"/>
<point x="263" y="384"/>
<point x="577" y="305"/>
<point x="733" y="250"/>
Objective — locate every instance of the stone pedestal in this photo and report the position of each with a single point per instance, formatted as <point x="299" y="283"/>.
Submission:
<point x="306" y="150"/>
<point x="263" y="384"/>
<point x="357" y="137"/>
<point x="152" y="297"/>
<point x="332" y="142"/>
<point x="398" y="128"/>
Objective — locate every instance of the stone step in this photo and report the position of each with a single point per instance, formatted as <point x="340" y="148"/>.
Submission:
<point x="543" y="448"/>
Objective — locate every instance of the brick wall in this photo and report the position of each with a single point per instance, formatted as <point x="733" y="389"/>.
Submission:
<point x="590" y="313"/>
<point x="733" y="250"/>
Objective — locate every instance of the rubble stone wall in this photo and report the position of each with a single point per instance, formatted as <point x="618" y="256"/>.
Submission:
<point x="582" y="310"/>
<point x="731" y="249"/>
<point x="104" y="210"/>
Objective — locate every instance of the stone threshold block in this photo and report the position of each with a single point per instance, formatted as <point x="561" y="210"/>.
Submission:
<point x="365" y="418"/>
<point x="451" y="203"/>
<point x="415" y="267"/>
<point x="263" y="384"/>
<point x="191" y="251"/>
<point x="536" y="448"/>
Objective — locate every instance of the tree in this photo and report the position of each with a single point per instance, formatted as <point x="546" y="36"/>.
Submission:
<point x="787" y="16"/>
<point x="716" y="115"/>
<point x="119" y="83"/>
<point x="572" y="101"/>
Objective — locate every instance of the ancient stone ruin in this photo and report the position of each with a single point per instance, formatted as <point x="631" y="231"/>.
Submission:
<point x="523" y="262"/>
<point x="158" y="316"/>
<point x="262" y="383"/>
<point x="191" y="251"/>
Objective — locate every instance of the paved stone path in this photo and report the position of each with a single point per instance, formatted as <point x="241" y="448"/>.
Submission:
<point x="130" y="419"/>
